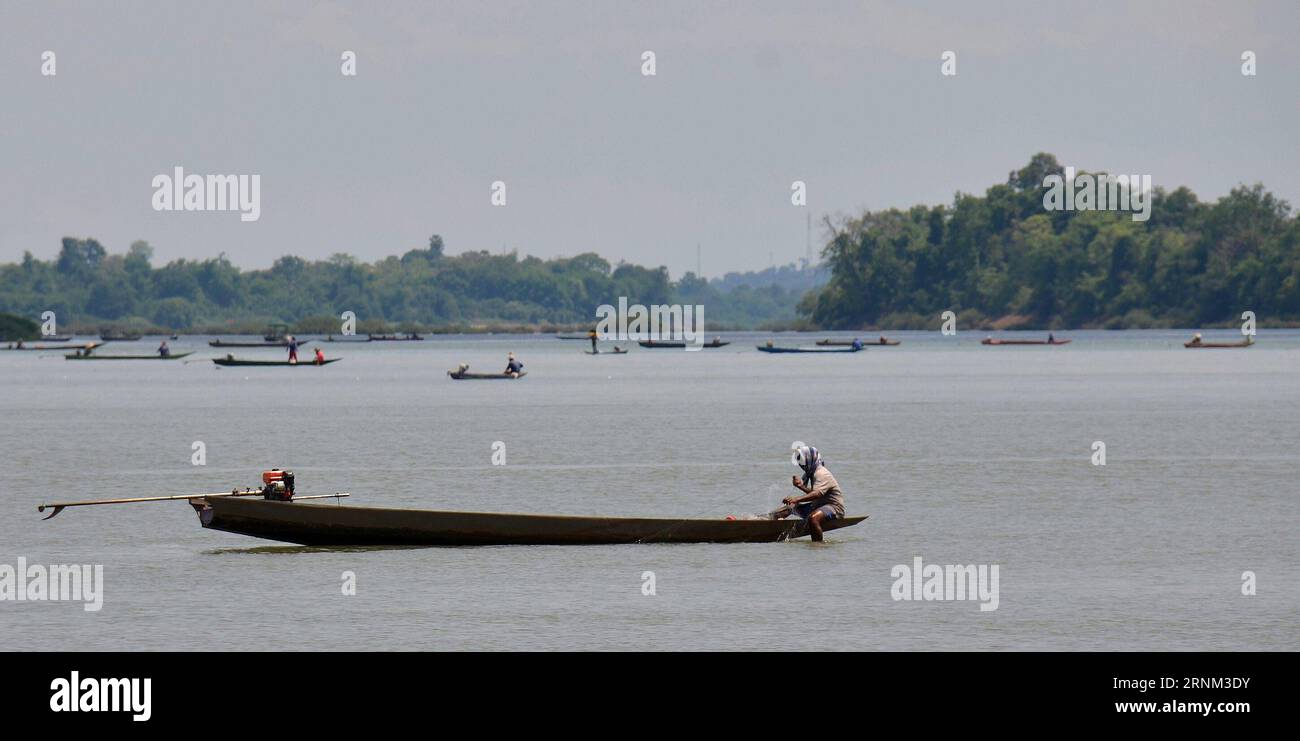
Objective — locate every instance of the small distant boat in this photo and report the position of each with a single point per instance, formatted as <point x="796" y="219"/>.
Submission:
<point x="155" y="356"/>
<point x="881" y="342"/>
<point x="273" y="363"/>
<point x="280" y="343"/>
<point x="678" y="344"/>
<point x="817" y="350"/>
<point x="572" y="336"/>
<point x="615" y="351"/>
<point x="276" y="332"/>
<point x="1194" y="345"/>
<point x="459" y="375"/>
<point x="412" y="337"/>
<point x="56" y="338"/>
<point x="991" y="341"/>
<point x="83" y="346"/>
<point x="119" y="336"/>
<point x="348" y="338"/>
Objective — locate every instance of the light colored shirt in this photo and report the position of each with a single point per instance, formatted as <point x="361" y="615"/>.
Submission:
<point x="828" y="491"/>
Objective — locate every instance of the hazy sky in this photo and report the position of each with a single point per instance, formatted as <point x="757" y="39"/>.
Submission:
<point x="549" y="98"/>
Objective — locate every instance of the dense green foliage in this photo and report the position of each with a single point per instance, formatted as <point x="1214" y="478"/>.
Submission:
<point x="87" y="287"/>
<point x="18" y="328"/>
<point x="1002" y="259"/>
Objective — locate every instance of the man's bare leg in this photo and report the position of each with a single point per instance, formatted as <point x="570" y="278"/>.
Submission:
<point x="815" y="525"/>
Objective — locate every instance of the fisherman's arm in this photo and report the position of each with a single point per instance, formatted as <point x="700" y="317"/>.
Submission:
<point x="808" y="493"/>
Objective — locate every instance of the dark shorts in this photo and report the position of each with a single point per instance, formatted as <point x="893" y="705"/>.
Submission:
<point x="806" y="509"/>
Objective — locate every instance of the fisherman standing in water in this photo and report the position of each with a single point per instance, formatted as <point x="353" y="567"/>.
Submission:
<point x="822" y="499"/>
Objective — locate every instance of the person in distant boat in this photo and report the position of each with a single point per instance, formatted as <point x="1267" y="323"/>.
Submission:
<point x="163" y="350"/>
<point x="513" y="366"/>
<point x="293" y="349"/>
<point x="1196" y="338"/>
<point x="1051" y="338"/>
<point x="320" y="356"/>
<point x="857" y="344"/>
<point x="592" y="336"/>
<point x="769" y="343"/>
<point x="717" y="341"/>
<point x="821" y="500"/>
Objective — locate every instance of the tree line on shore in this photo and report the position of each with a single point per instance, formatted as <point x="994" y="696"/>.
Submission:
<point x="1004" y="260"/>
<point x="424" y="289"/>
<point x="1000" y="260"/>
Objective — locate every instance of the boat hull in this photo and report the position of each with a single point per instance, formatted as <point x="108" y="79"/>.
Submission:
<point x="865" y="343"/>
<point x="676" y="345"/>
<point x="1216" y="345"/>
<point x="484" y="376"/>
<point x="52" y="348"/>
<point x="1024" y="342"/>
<point x="272" y="363"/>
<point x="815" y="350"/>
<point x="155" y="356"/>
<point x="224" y="343"/>
<point x="329" y="525"/>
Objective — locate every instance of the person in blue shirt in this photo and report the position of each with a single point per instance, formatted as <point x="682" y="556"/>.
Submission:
<point x="857" y="344"/>
<point x="513" y="366"/>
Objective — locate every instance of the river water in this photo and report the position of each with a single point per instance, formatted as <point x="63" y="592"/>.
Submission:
<point x="961" y="454"/>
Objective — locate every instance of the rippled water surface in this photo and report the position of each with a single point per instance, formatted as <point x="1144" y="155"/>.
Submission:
<point x="962" y="454"/>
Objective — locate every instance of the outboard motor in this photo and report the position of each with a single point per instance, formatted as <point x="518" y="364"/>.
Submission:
<point x="277" y="485"/>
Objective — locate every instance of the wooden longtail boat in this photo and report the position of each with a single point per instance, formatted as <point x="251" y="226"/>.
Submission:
<point x="457" y="375"/>
<point x="1218" y="345"/>
<point x="396" y="338"/>
<point x="91" y="345"/>
<point x="332" y="338"/>
<point x="119" y="337"/>
<point x="56" y="338"/>
<point x="274" y="512"/>
<point x="572" y="336"/>
<point x="281" y="343"/>
<point x="882" y="342"/>
<point x="269" y="363"/>
<point x="819" y="350"/>
<point x="678" y="344"/>
<point x="991" y="341"/>
<point x="615" y="351"/>
<point x="315" y="525"/>
<point x="155" y="356"/>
